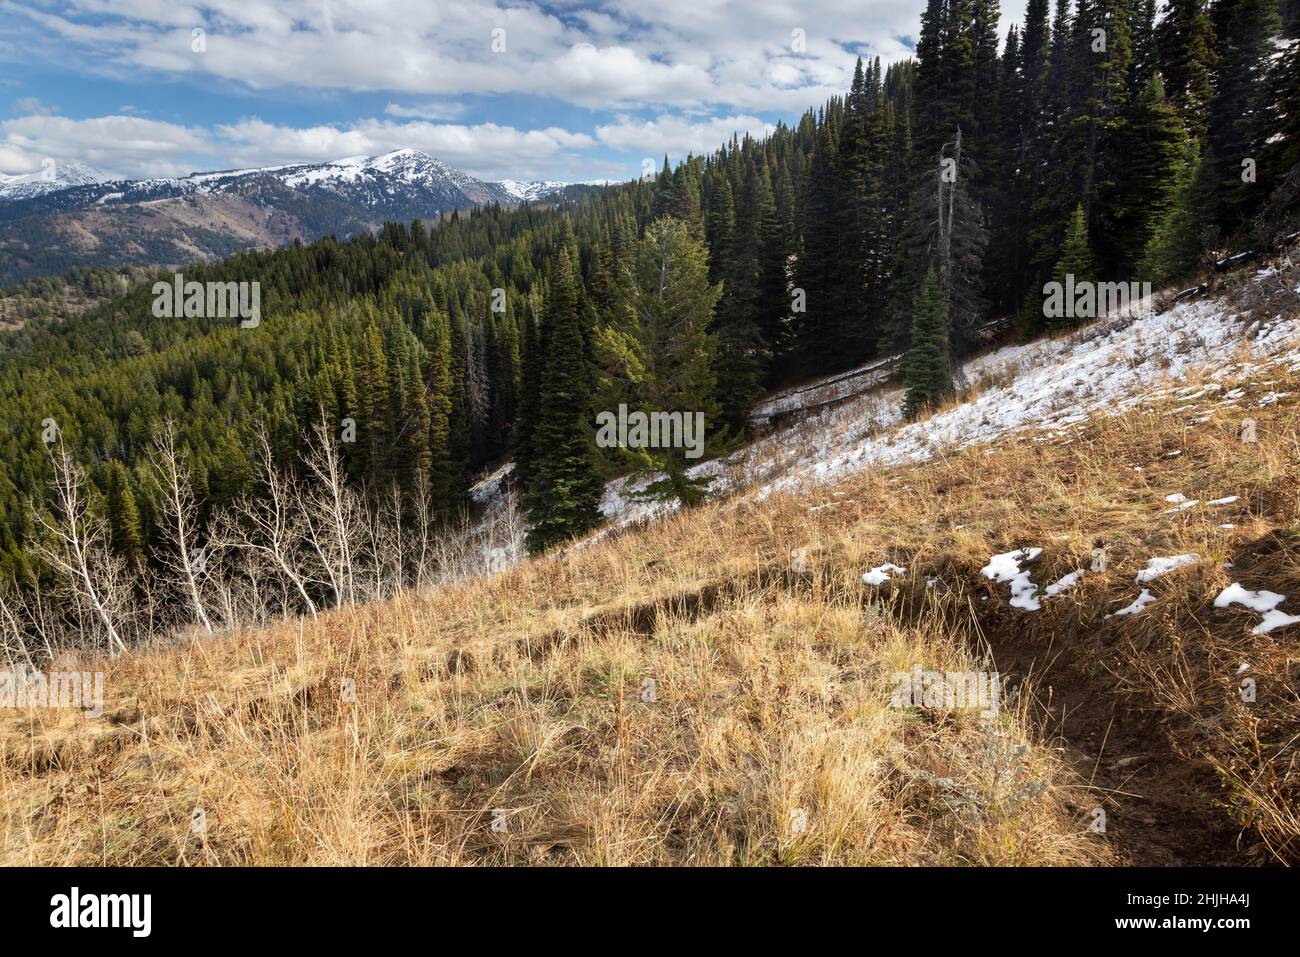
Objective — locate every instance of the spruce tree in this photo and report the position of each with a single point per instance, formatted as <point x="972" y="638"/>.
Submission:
<point x="1150" y="145"/>
<point x="1076" y="261"/>
<point x="1178" y="238"/>
<point x="123" y="516"/>
<point x="438" y="383"/>
<point x="563" y="495"/>
<point x="927" y="369"/>
<point x="658" y="358"/>
<point x="1244" y="31"/>
<point x="1186" y="40"/>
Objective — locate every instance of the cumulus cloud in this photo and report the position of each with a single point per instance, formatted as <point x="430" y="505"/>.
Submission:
<point x="674" y="54"/>
<point x="118" y="145"/>
<point x="133" y="146"/>
<point x="671" y="77"/>
<point x="676" y="136"/>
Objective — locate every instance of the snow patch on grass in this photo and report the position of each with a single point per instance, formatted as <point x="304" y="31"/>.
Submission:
<point x="1006" y="568"/>
<point x="1264" y="602"/>
<point x="1156" y="567"/>
<point x="878" y="576"/>
<point x="1139" y="603"/>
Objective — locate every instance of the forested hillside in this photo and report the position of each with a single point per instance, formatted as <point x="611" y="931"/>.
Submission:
<point x="922" y="212"/>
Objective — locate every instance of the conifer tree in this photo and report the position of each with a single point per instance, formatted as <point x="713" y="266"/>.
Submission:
<point x="376" y="428"/>
<point x="1186" y="43"/>
<point x="123" y="515"/>
<point x="658" y="358"/>
<point x="1178" y="237"/>
<point x="1244" y="31"/>
<point x="563" y="495"/>
<point x="1075" y="265"/>
<point x="1150" y="145"/>
<point x="438" y="384"/>
<point x="927" y="370"/>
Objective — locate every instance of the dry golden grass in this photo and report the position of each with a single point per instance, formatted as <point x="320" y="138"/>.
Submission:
<point x="770" y="738"/>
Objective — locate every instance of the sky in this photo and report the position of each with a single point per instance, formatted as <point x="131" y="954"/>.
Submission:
<point x="579" y="92"/>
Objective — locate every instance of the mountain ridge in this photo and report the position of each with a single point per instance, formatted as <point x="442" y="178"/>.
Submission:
<point x="71" y="215"/>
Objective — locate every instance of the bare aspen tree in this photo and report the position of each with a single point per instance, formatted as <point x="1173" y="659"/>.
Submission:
<point x="15" y="644"/>
<point x="332" y="514"/>
<point x="74" y="545"/>
<point x="272" y="524"/>
<point x="189" y="561"/>
<point x="422" y="505"/>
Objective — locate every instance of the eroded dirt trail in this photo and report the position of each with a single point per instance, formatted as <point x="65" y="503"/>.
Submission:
<point x="1161" y="809"/>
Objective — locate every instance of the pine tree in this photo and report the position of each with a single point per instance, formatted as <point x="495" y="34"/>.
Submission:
<point x="659" y="357"/>
<point x="1075" y="266"/>
<point x="1186" y="39"/>
<point x="123" y="516"/>
<point x="927" y="370"/>
<point x="1150" y="144"/>
<point x="1238" y="110"/>
<point x="563" y="495"/>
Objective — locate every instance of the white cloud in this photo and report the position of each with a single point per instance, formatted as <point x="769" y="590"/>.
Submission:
<point x="32" y="104"/>
<point x="118" y="145"/>
<point x="429" y="110"/>
<point x="676" y="136"/>
<point x="673" y="54"/>
<point x="135" y="147"/>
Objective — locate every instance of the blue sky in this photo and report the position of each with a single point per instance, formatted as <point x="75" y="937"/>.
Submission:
<point x="570" y="91"/>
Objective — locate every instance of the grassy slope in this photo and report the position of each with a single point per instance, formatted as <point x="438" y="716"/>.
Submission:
<point x="524" y="692"/>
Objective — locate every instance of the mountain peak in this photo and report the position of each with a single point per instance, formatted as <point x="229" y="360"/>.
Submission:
<point x="54" y="175"/>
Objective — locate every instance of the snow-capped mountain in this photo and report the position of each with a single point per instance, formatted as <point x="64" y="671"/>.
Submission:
<point x="533" y="191"/>
<point x="52" y="177"/>
<point x="74" y="215"/>
<point x="402" y="184"/>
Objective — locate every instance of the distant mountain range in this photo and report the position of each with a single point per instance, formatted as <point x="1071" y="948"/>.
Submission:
<point x="70" y="214"/>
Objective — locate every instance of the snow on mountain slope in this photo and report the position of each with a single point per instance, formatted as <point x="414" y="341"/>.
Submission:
<point x="80" y="219"/>
<point x="407" y="174"/>
<point x="370" y="180"/>
<point x="1043" y="387"/>
<point x="55" y="177"/>
<point x="531" y="192"/>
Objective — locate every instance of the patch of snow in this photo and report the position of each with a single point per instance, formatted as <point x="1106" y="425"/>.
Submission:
<point x="878" y="576"/>
<point x="1156" y="567"/>
<point x="1006" y="568"/>
<point x="1264" y="602"/>
<point x="1139" y="603"/>
<point x="1064" y="584"/>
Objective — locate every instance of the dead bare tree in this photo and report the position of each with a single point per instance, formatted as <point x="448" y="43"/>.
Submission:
<point x="187" y="560"/>
<point x="73" y="542"/>
<point x="273" y="525"/>
<point x="333" y="514"/>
